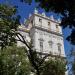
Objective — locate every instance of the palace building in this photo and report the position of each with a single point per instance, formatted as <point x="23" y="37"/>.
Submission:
<point x="45" y="33"/>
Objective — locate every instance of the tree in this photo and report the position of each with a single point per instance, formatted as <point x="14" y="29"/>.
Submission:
<point x="13" y="61"/>
<point x="65" y="9"/>
<point x="54" y="67"/>
<point x="9" y="22"/>
<point x="72" y="61"/>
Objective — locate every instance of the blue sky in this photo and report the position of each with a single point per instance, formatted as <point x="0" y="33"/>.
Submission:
<point x="24" y="10"/>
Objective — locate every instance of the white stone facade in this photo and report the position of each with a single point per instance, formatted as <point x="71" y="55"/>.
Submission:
<point x="45" y="32"/>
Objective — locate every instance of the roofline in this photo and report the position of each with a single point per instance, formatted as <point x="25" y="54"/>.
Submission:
<point x="47" y="18"/>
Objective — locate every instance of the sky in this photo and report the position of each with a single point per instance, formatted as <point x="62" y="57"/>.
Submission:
<point x="24" y="10"/>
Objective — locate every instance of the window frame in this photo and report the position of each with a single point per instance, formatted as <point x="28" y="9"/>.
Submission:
<point x="57" y="27"/>
<point x="50" y="44"/>
<point x="59" y="48"/>
<point x="41" y="44"/>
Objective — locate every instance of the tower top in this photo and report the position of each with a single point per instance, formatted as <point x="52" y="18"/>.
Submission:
<point x="59" y="20"/>
<point x="24" y="20"/>
<point x="35" y="11"/>
<point x="43" y="14"/>
<point x="52" y="17"/>
<point x="30" y="15"/>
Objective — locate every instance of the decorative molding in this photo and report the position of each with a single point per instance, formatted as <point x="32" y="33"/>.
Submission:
<point x="49" y="31"/>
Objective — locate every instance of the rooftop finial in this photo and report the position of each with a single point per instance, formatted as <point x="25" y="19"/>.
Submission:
<point x="24" y="20"/>
<point x="51" y="17"/>
<point x="59" y="20"/>
<point x="30" y="15"/>
<point x="35" y="11"/>
<point x="43" y="13"/>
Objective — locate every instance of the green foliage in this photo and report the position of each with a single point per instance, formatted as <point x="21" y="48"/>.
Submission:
<point x="73" y="67"/>
<point x="9" y="22"/>
<point x="72" y="61"/>
<point x="14" y="61"/>
<point x="54" y="67"/>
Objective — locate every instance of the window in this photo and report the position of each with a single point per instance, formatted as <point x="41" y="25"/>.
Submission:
<point x="40" y="20"/>
<point x="41" y="45"/>
<point x="32" y="21"/>
<point x="48" y="25"/>
<point x="57" y="28"/>
<point x="50" y="44"/>
<point x="59" y="48"/>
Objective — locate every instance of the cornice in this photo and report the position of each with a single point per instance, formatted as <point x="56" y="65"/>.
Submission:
<point x="49" y="31"/>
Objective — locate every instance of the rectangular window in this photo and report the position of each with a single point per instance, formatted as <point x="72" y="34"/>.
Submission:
<point x="50" y="44"/>
<point x="40" y="22"/>
<point x="57" y="28"/>
<point x="41" y="46"/>
<point x="49" y="25"/>
<point x="31" y="21"/>
<point x="59" y="48"/>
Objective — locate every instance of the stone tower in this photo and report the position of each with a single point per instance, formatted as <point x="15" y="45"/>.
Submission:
<point x="45" y="32"/>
